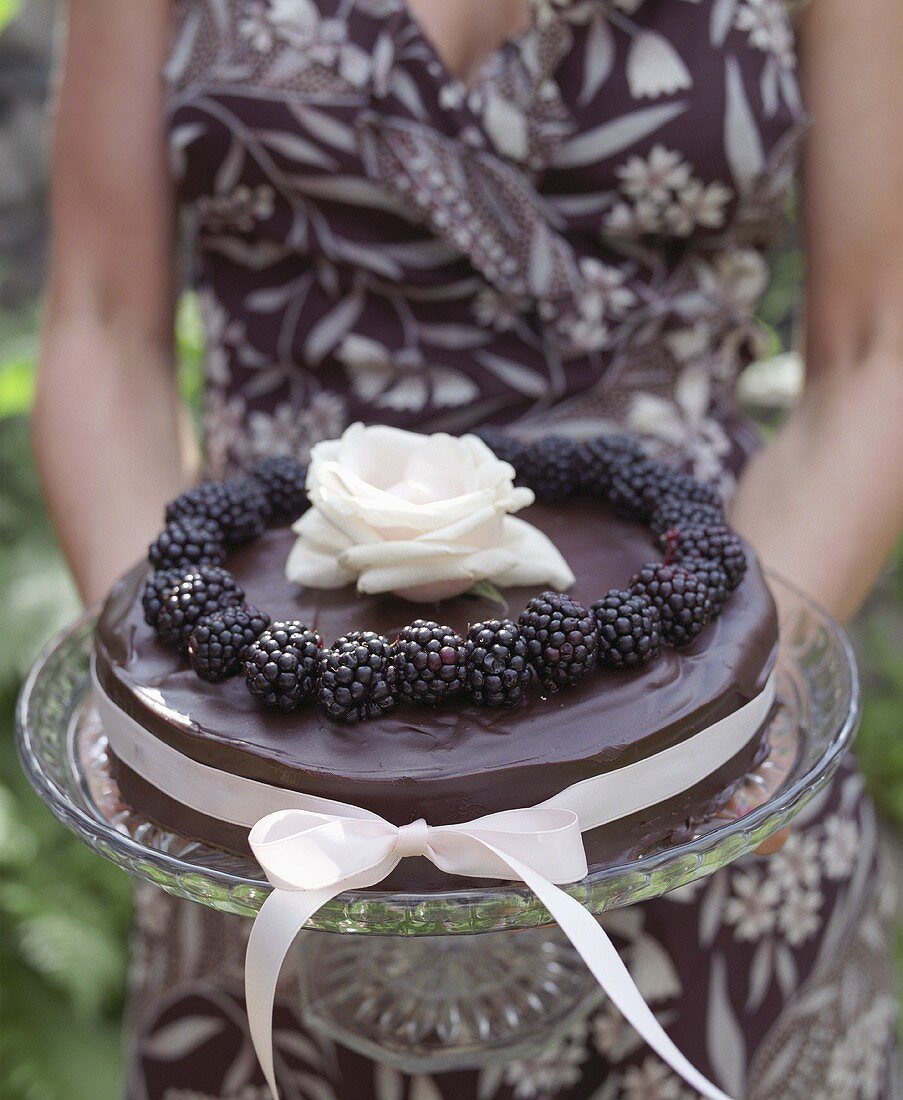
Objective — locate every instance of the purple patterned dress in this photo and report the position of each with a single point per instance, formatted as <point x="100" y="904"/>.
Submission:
<point x="573" y="242"/>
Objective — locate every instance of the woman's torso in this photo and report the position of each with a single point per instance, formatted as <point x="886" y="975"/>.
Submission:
<point x="577" y="243"/>
<point x="575" y="240"/>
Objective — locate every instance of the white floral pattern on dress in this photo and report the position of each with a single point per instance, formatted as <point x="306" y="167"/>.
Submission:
<point x="799" y="917"/>
<point x="769" y="29"/>
<point x="286" y="431"/>
<point x="401" y="380"/>
<point x="751" y="909"/>
<point x="613" y="1036"/>
<point x="601" y="299"/>
<point x="840" y="847"/>
<point x="797" y="864"/>
<point x="498" y="205"/>
<point x="556" y="1068"/>
<point x="240" y="209"/>
<point x="685" y="422"/>
<point x="655" y="68"/>
<point x="492" y="309"/>
<point x="317" y="40"/>
<point x="857" y="1068"/>
<point x="652" y="1080"/>
<point x="663" y="196"/>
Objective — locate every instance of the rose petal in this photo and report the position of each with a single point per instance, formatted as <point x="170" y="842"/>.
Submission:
<point x="536" y="559"/>
<point x="313" y="560"/>
<point x="342" y="495"/>
<point x="377" y="452"/>
<point x="465" y="570"/>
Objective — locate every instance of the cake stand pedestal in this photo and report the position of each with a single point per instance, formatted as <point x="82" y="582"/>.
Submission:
<point x="408" y="980"/>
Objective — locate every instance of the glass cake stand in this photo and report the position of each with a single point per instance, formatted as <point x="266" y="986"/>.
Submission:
<point x="428" y="994"/>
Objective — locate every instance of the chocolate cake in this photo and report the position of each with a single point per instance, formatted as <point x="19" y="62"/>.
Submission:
<point x="463" y="760"/>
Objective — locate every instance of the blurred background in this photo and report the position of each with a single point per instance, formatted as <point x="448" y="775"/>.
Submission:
<point x="64" y="912"/>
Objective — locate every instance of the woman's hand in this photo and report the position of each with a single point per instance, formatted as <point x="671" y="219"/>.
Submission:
<point x="106" y="424"/>
<point x="823" y="503"/>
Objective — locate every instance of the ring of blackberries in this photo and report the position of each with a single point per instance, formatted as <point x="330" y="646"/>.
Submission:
<point x="195" y="605"/>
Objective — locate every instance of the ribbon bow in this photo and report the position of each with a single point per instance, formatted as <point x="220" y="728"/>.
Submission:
<point x="309" y="857"/>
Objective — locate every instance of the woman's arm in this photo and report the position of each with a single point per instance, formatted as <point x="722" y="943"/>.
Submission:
<point x="824" y="502"/>
<point x="106" y="424"/>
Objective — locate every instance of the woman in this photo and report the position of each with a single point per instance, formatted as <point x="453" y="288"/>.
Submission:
<point x="544" y="213"/>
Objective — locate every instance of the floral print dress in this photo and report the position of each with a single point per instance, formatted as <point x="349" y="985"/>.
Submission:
<point x="573" y="242"/>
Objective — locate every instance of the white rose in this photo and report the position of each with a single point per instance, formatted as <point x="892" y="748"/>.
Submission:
<point x="425" y="517"/>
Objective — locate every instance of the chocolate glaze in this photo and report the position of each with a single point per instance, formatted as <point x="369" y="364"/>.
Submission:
<point x="453" y="764"/>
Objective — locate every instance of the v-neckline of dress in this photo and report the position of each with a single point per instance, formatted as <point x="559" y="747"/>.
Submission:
<point x="511" y="44"/>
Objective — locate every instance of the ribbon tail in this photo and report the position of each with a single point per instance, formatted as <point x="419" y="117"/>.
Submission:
<point x="281" y="918"/>
<point x="601" y="957"/>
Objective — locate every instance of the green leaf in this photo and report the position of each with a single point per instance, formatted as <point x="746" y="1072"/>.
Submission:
<point x="16" y="385"/>
<point x="47" y="1052"/>
<point x="190" y="345"/>
<point x="9" y="9"/>
<point x="75" y="956"/>
<point x="485" y="590"/>
<point x="64" y="913"/>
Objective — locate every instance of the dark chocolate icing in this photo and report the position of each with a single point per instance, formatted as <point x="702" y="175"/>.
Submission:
<point x="453" y="764"/>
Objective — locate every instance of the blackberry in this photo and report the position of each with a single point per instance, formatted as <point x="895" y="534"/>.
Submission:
<point x="498" y="668"/>
<point x="551" y="468"/>
<point x="690" y="489"/>
<point x="633" y="485"/>
<point x="282" y="666"/>
<point x="283" y="482"/>
<point x="676" y="514"/>
<point x="716" y="542"/>
<point x="237" y="505"/>
<point x="561" y="638"/>
<point x="600" y="456"/>
<point x="638" y="489"/>
<point x="156" y="587"/>
<point x="429" y="663"/>
<point x="503" y="446"/>
<point x="715" y="578"/>
<point x="628" y="626"/>
<point x="358" y="677"/>
<point x="187" y="542"/>
<point x="217" y="645"/>
<point x="681" y="598"/>
<point x="205" y="590"/>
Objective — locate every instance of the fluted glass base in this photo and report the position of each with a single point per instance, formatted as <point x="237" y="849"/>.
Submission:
<point x="446" y="1002"/>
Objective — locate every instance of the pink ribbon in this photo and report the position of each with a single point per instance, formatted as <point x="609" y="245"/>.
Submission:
<point x="311" y="857"/>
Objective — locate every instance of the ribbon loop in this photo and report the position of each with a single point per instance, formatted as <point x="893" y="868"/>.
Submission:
<point x="545" y="838"/>
<point x="300" y="850"/>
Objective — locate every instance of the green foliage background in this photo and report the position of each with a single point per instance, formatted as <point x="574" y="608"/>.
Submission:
<point x="64" y="913"/>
